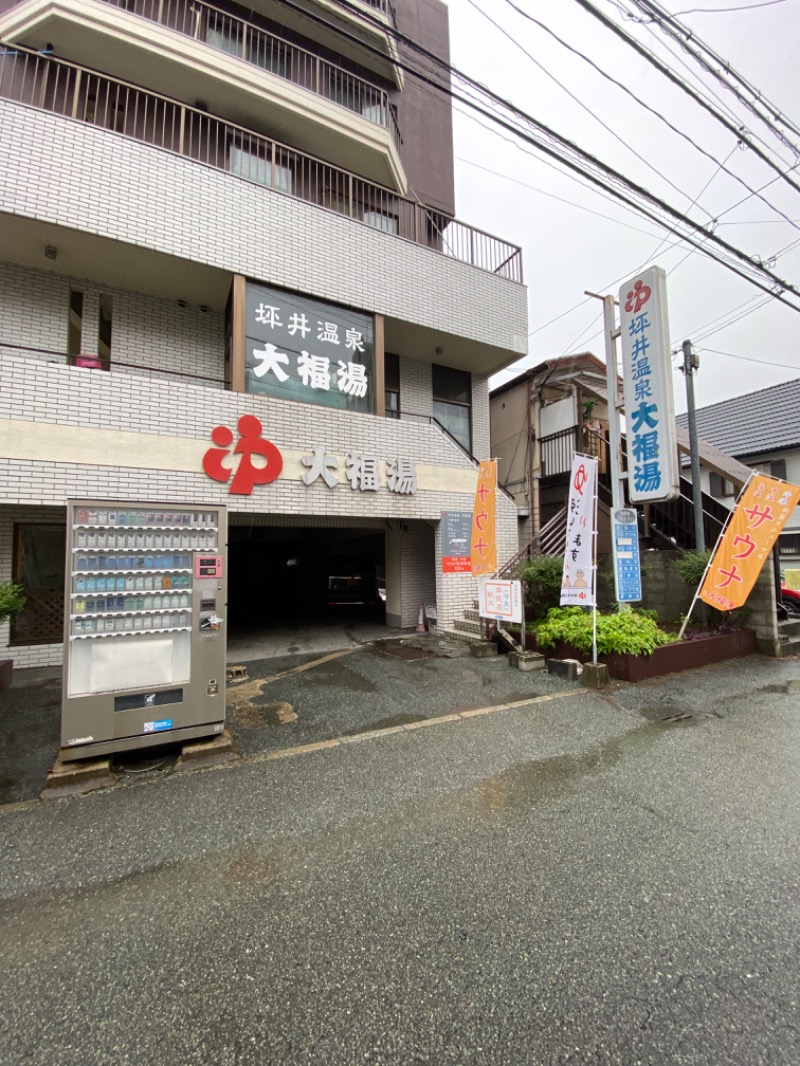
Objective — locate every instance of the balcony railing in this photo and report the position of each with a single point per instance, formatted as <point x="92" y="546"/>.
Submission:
<point x="78" y="93"/>
<point x="267" y="51"/>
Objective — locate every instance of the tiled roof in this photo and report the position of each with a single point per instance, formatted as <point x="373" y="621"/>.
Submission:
<point x="763" y="421"/>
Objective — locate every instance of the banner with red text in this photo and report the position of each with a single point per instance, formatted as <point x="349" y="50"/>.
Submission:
<point x="761" y="513"/>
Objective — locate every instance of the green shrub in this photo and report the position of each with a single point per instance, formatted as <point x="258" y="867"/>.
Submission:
<point x="691" y="565"/>
<point x="542" y="580"/>
<point x="627" y="633"/>
<point x="11" y="599"/>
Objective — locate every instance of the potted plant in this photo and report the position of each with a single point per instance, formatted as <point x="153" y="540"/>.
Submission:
<point x="11" y="600"/>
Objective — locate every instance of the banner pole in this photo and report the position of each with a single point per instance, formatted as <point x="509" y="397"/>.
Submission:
<point x="711" y="557"/>
<point x="594" y="569"/>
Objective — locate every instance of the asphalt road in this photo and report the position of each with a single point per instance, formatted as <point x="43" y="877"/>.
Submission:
<point x="578" y="881"/>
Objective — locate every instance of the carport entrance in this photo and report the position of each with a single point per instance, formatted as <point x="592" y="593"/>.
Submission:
<point x="304" y="576"/>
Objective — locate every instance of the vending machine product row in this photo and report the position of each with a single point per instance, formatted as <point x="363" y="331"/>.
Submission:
<point x="145" y="625"/>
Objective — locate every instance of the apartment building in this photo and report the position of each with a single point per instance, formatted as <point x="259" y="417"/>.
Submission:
<point x="231" y="273"/>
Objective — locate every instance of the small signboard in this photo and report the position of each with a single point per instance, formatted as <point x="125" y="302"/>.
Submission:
<point x="456" y="532"/>
<point x="500" y="600"/>
<point x="628" y="572"/>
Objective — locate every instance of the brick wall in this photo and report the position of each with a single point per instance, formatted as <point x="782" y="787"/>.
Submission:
<point x="147" y="333"/>
<point x="243" y="228"/>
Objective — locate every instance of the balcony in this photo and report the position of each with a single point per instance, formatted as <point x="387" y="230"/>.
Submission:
<point x="192" y="51"/>
<point x="79" y="94"/>
<point x="360" y="30"/>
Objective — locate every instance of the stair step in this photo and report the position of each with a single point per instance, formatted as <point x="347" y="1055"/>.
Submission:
<point x="473" y="614"/>
<point x="458" y="634"/>
<point x="790" y="628"/>
<point x="466" y="625"/>
<point x="790" y="647"/>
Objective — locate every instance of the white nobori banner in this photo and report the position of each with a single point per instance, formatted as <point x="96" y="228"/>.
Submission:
<point x="578" y="582"/>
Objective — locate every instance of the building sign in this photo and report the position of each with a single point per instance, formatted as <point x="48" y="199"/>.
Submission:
<point x="501" y="600"/>
<point x="761" y="513"/>
<point x="301" y="349"/>
<point x="578" y="584"/>
<point x="456" y="529"/>
<point x="483" y="545"/>
<point x="361" y="471"/>
<point x="250" y="443"/>
<point x="647" y="380"/>
<point x="627" y="571"/>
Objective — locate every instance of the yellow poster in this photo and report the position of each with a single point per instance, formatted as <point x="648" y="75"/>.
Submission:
<point x="760" y="515"/>
<point x="483" y="547"/>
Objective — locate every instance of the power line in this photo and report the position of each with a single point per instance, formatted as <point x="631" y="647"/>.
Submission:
<point x="746" y="359"/>
<point x="651" y="110"/>
<point x="688" y="40"/>
<point x="718" y="10"/>
<point x="682" y="84"/>
<point x="752" y="270"/>
<point x="612" y="132"/>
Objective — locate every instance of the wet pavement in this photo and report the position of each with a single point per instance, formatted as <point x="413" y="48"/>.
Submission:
<point x="591" y="878"/>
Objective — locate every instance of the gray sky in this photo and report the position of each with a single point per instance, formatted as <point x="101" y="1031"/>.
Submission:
<point x="567" y="246"/>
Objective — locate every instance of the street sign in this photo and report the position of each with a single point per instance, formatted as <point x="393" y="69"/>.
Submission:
<point x="500" y="600"/>
<point x="627" y="571"/>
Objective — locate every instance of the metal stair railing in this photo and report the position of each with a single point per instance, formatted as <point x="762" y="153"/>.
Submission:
<point x="548" y="541"/>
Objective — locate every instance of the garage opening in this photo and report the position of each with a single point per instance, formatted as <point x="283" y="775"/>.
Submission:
<point x="281" y="577"/>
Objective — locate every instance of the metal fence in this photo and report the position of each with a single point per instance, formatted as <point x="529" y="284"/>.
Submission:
<point x="67" y="89"/>
<point x="250" y="43"/>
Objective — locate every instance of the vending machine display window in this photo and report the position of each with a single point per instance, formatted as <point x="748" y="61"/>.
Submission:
<point x="138" y="605"/>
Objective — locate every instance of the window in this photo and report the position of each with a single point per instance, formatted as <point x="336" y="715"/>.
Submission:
<point x="256" y="166"/>
<point x="75" y="325"/>
<point x="772" y="468"/>
<point x="452" y="402"/>
<point x="719" y="488"/>
<point x="39" y="568"/>
<point x="104" y="332"/>
<point x="222" y="33"/>
<point x="391" y="383"/>
<point x="381" y="220"/>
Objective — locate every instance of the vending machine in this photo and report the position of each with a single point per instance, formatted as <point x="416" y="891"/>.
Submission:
<point x="145" y="625"/>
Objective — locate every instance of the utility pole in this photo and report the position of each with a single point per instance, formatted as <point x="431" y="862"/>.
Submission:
<point x="690" y="366"/>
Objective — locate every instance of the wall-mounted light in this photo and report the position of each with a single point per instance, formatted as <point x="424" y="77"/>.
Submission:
<point x="50" y="251"/>
<point x="183" y="303"/>
<point x="204" y="308"/>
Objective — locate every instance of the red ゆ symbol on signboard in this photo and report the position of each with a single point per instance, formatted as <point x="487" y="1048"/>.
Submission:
<point x="250" y="443"/>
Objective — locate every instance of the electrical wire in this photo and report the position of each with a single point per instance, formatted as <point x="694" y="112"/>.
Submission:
<point x="747" y="359"/>
<point x="669" y="24"/>
<point x="612" y="132"/>
<point x="560" y="145"/>
<point x="651" y="110"/>
<point x="720" y="10"/>
<point x="682" y="84"/>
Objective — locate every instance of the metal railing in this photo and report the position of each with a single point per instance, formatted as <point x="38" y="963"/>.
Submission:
<point x="67" y="89"/>
<point x="248" y="42"/>
<point x="557" y="449"/>
<point x="549" y="540"/>
<point x="673" y="520"/>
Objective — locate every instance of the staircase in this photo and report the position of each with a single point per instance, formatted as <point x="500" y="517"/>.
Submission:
<point x="789" y="636"/>
<point x="548" y="541"/>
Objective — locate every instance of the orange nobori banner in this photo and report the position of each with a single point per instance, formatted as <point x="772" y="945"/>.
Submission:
<point x="483" y="546"/>
<point x="761" y="513"/>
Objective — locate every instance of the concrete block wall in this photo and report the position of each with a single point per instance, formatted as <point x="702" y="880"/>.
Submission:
<point x="149" y="334"/>
<point x="243" y="228"/>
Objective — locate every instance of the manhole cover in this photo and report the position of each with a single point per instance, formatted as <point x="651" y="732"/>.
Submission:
<point x="402" y="652"/>
<point x="666" y="714"/>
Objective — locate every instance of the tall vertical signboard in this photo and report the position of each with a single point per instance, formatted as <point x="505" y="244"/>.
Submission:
<point x="647" y="380"/>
